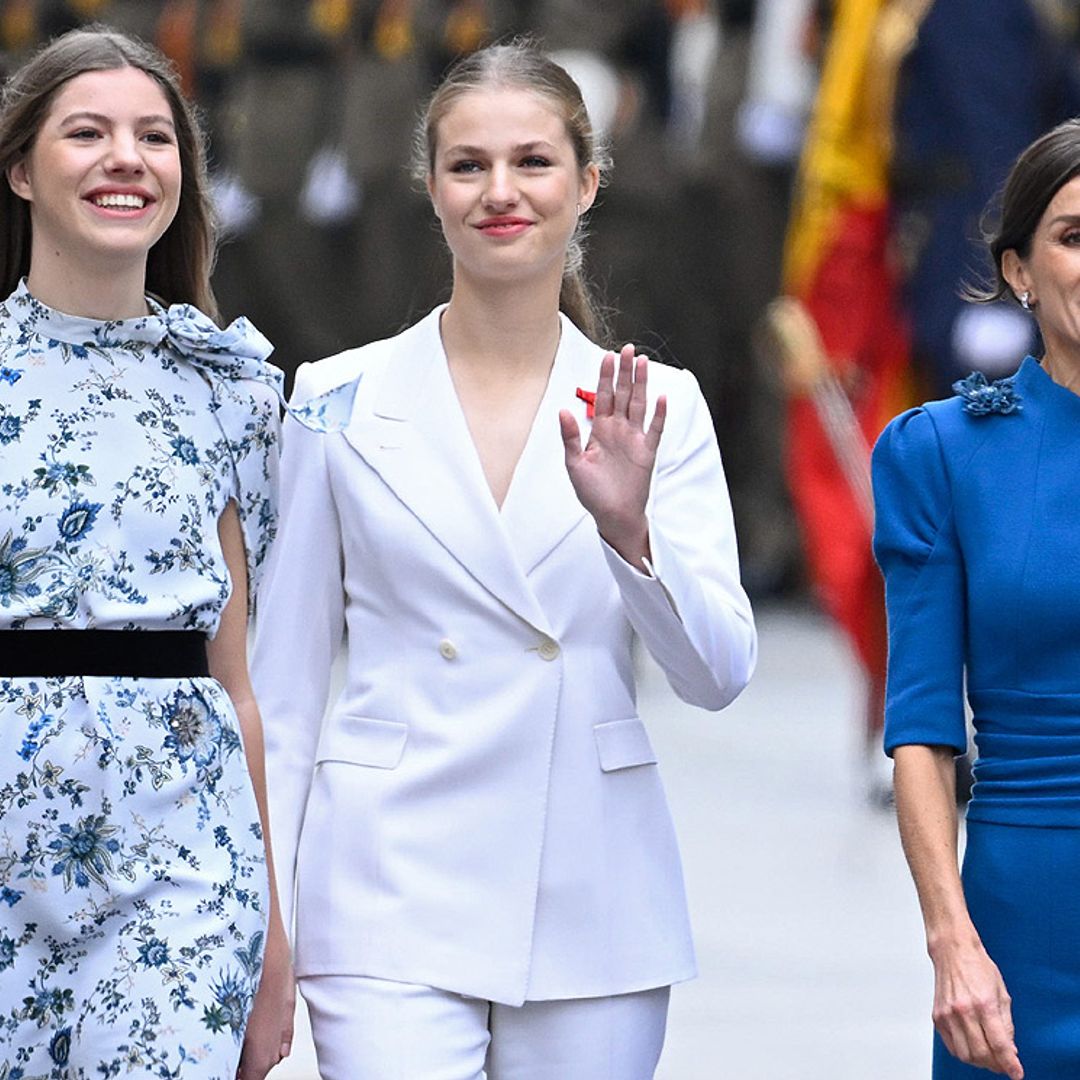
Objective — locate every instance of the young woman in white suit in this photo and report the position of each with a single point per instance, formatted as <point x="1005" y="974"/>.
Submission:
<point x="485" y="875"/>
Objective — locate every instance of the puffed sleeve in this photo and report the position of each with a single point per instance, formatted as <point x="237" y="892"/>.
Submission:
<point x="691" y="611"/>
<point x="292" y="661"/>
<point x="916" y="547"/>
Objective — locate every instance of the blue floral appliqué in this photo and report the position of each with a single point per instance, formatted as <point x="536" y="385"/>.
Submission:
<point x="981" y="398"/>
<point x="329" y="412"/>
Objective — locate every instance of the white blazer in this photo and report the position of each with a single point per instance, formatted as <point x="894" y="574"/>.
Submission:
<point x="481" y="810"/>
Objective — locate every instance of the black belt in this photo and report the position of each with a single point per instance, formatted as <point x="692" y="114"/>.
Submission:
<point x="149" y="654"/>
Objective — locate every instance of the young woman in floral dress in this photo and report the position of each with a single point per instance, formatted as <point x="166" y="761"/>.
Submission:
<point x="139" y="933"/>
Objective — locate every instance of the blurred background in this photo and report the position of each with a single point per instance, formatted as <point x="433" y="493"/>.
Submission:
<point x="799" y="192"/>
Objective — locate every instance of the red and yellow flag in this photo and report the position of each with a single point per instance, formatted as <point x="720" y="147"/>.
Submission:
<point x="837" y="267"/>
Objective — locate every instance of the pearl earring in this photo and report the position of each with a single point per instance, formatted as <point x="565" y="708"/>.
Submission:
<point x="1025" y="301"/>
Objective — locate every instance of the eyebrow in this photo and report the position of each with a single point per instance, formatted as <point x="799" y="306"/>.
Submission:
<point x="522" y="148"/>
<point x="101" y="118"/>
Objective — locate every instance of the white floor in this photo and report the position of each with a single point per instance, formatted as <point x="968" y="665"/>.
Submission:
<point x="809" y="941"/>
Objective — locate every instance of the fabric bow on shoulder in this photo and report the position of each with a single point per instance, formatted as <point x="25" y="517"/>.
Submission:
<point x="240" y="351"/>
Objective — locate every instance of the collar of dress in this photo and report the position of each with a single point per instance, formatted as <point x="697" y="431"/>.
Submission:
<point x="239" y="351"/>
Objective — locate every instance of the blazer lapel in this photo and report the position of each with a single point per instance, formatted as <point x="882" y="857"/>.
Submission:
<point x="415" y="437"/>
<point x="541" y="508"/>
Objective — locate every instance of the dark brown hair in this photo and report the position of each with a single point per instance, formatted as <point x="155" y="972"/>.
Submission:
<point x="1038" y="174"/>
<point x="179" y="264"/>
<point x="522" y="65"/>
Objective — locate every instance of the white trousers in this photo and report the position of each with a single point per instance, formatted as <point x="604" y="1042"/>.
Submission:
<point x="371" y="1029"/>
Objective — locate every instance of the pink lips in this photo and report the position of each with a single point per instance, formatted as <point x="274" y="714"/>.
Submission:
<point x="503" y="225"/>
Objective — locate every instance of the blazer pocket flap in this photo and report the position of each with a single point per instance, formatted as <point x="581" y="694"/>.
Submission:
<point x="623" y="743"/>
<point x="363" y="740"/>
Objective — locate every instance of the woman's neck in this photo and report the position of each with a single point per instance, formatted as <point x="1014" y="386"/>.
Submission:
<point x="511" y="329"/>
<point x="102" y="291"/>
<point x="1063" y="367"/>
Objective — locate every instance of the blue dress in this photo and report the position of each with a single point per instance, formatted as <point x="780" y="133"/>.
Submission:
<point x="978" y="537"/>
<point x="133" y="886"/>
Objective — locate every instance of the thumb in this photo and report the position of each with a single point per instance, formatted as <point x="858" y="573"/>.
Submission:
<point x="571" y="435"/>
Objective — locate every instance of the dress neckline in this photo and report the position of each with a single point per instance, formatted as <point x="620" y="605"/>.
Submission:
<point x="1034" y="381"/>
<point x="36" y="317"/>
<point x="238" y="351"/>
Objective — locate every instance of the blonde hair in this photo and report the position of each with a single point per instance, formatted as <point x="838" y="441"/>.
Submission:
<point x="522" y="65"/>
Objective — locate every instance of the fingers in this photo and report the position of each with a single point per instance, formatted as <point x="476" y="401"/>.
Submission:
<point x="1008" y="1063"/>
<point x="982" y="1036"/>
<point x="956" y="1042"/>
<point x="656" y="427"/>
<point x="622" y="389"/>
<point x="605" y="390"/>
<point x="571" y="433"/>
<point x="1001" y="1041"/>
<point x="624" y="385"/>
<point x="973" y="1010"/>
<point x="251" y="1070"/>
<point x="635" y="410"/>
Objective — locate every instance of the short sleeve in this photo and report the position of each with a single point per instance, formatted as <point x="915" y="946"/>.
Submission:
<point x="917" y="549"/>
<point x="248" y="413"/>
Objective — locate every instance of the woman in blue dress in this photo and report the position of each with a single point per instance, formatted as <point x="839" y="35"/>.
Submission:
<point x="978" y="500"/>
<point x="137" y="454"/>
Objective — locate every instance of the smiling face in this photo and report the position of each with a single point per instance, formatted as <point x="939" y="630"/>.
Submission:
<point x="1050" y="272"/>
<point x="506" y="185"/>
<point x="103" y="175"/>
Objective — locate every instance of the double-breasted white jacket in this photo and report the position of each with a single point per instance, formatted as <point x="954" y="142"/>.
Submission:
<point x="481" y="810"/>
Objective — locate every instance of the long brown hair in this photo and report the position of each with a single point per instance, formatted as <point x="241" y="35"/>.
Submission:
<point x="179" y="264"/>
<point x="522" y="65"/>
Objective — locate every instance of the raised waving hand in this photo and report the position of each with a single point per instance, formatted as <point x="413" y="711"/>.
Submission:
<point x="613" y="472"/>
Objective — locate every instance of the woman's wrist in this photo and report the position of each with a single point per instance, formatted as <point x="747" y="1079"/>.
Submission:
<point x="944" y="940"/>
<point x="629" y="539"/>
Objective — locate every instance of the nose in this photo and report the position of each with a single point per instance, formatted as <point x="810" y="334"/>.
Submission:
<point x="125" y="155"/>
<point x="501" y="190"/>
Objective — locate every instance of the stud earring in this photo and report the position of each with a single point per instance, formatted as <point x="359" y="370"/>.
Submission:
<point x="1025" y="300"/>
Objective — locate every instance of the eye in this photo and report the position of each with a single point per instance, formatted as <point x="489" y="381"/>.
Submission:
<point x="535" y="161"/>
<point x="158" y="138"/>
<point x="84" y="134"/>
<point x="1071" y="237"/>
<point x="465" y="166"/>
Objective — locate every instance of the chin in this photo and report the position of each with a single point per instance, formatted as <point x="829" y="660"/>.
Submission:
<point x="510" y="266"/>
<point x="129" y="244"/>
<point x="118" y="257"/>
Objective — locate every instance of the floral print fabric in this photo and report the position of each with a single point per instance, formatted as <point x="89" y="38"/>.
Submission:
<point x="132" y="873"/>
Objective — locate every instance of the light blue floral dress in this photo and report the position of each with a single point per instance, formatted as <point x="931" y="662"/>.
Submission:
<point x="133" y="887"/>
